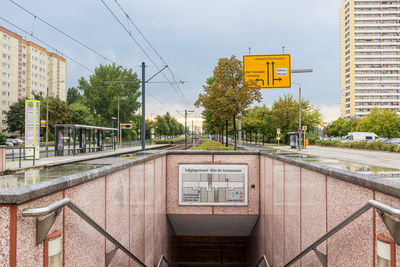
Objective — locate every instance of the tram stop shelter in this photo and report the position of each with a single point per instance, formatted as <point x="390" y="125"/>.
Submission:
<point x="75" y="139"/>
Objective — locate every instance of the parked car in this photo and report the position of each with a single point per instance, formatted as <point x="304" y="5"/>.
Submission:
<point x="394" y="141"/>
<point x="21" y="140"/>
<point x="9" y="142"/>
<point x="18" y="142"/>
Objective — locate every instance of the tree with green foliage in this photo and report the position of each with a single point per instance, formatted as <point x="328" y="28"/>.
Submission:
<point x="16" y="117"/>
<point x="81" y="114"/>
<point x="74" y="96"/>
<point x="229" y="94"/>
<point x="3" y="139"/>
<point x="339" y="127"/>
<point x="59" y="113"/>
<point x="108" y="84"/>
<point x="384" y="123"/>
<point x="285" y="115"/>
<point x="258" y="120"/>
<point x="167" y="126"/>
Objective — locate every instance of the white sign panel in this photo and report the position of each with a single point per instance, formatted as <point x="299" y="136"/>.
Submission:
<point x="213" y="185"/>
<point x="281" y="72"/>
<point x="32" y="128"/>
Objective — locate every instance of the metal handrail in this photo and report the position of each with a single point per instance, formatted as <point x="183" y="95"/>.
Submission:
<point x="263" y="259"/>
<point x="163" y="259"/>
<point x="381" y="208"/>
<point x="66" y="202"/>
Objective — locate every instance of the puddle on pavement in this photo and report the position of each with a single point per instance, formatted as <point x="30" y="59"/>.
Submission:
<point x="371" y="170"/>
<point x="36" y="175"/>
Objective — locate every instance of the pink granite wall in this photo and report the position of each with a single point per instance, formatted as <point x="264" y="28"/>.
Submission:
<point x="4" y="236"/>
<point x="130" y="204"/>
<point x="80" y="239"/>
<point x="297" y="206"/>
<point x="28" y="253"/>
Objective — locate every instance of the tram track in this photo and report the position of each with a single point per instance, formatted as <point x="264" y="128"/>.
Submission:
<point x="181" y="146"/>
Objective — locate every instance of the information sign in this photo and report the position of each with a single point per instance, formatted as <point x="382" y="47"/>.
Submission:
<point x="213" y="185"/>
<point x="126" y="125"/>
<point x="32" y="128"/>
<point x="267" y="71"/>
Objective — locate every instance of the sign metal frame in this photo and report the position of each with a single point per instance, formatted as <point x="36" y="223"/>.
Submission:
<point x="213" y="169"/>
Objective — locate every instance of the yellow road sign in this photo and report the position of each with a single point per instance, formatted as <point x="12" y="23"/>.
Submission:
<point x="126" y="126"/>
<point x="267" y="71"/>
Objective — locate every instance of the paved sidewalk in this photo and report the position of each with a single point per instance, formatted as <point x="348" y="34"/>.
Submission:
<point x="52" y="161"/>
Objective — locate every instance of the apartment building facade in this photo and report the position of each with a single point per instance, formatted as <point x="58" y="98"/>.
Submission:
<point x="26" y="67"/>
<point x="370" y="57"/>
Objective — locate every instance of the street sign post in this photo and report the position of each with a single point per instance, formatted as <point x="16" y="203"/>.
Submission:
<point x="267" y="71"/>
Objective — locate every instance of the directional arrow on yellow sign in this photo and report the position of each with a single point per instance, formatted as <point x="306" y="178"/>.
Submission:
<point x="267" y="71"/>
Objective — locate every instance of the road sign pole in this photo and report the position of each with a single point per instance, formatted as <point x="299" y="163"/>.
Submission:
<point x="299" y="117"/>
<point x="143" y="108"/>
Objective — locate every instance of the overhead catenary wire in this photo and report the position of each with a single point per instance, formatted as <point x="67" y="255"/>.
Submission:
<point x="155" y="51"/>
<point x="144" y="52"/>
<point x="65" y="34"/>
<point x="48" y="45"/>
<point x="36" y="17"/>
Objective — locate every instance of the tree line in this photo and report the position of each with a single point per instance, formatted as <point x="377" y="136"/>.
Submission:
<point x="384" y="123"/>
<point x="94" y="102"/>
<point x="227" y="97"/>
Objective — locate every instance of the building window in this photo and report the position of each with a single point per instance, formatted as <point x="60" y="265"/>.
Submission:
<point x="52" y="247"/>
<point x="386" y="251"/>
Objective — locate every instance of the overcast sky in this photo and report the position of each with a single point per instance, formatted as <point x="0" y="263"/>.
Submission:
<point x="191" y="36"/>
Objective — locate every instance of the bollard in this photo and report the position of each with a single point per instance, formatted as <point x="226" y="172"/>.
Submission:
<point x="2" y="158"/>
<point x="20" y="158"/>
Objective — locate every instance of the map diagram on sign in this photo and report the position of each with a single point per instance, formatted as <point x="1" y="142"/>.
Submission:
<point x="223" y="185"/>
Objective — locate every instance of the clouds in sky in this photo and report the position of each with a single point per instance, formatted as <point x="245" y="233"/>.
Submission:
<point x="191" y="36"/>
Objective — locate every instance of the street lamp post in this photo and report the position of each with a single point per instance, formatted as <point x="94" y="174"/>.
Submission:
<point x="299" y="131"/>
<point x="47" y="118"/>
<point x="130" y="131"/>
<point x="119" y="126"/>
<point x="298" y="84"/>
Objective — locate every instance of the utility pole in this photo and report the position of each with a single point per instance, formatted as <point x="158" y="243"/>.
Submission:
<point x="47" y="122"/>
<point x="194" y="143"/>
<point x="143" y="136"/>
<point x="187" y="113"/>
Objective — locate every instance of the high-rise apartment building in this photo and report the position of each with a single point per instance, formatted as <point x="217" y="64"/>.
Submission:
<point x="26" y="67"/>
<point x="370" y="56"/>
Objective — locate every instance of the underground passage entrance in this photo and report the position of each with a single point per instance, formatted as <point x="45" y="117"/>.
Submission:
<point x="211" y="240"/>
<point x="210" y="251"/>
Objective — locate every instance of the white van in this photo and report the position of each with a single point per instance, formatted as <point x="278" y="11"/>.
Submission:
<point x="361" y="136"/>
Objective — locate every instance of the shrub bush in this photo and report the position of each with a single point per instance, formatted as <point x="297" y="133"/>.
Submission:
<point x="213" y="145"/>
<point x="376" y="146"/>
